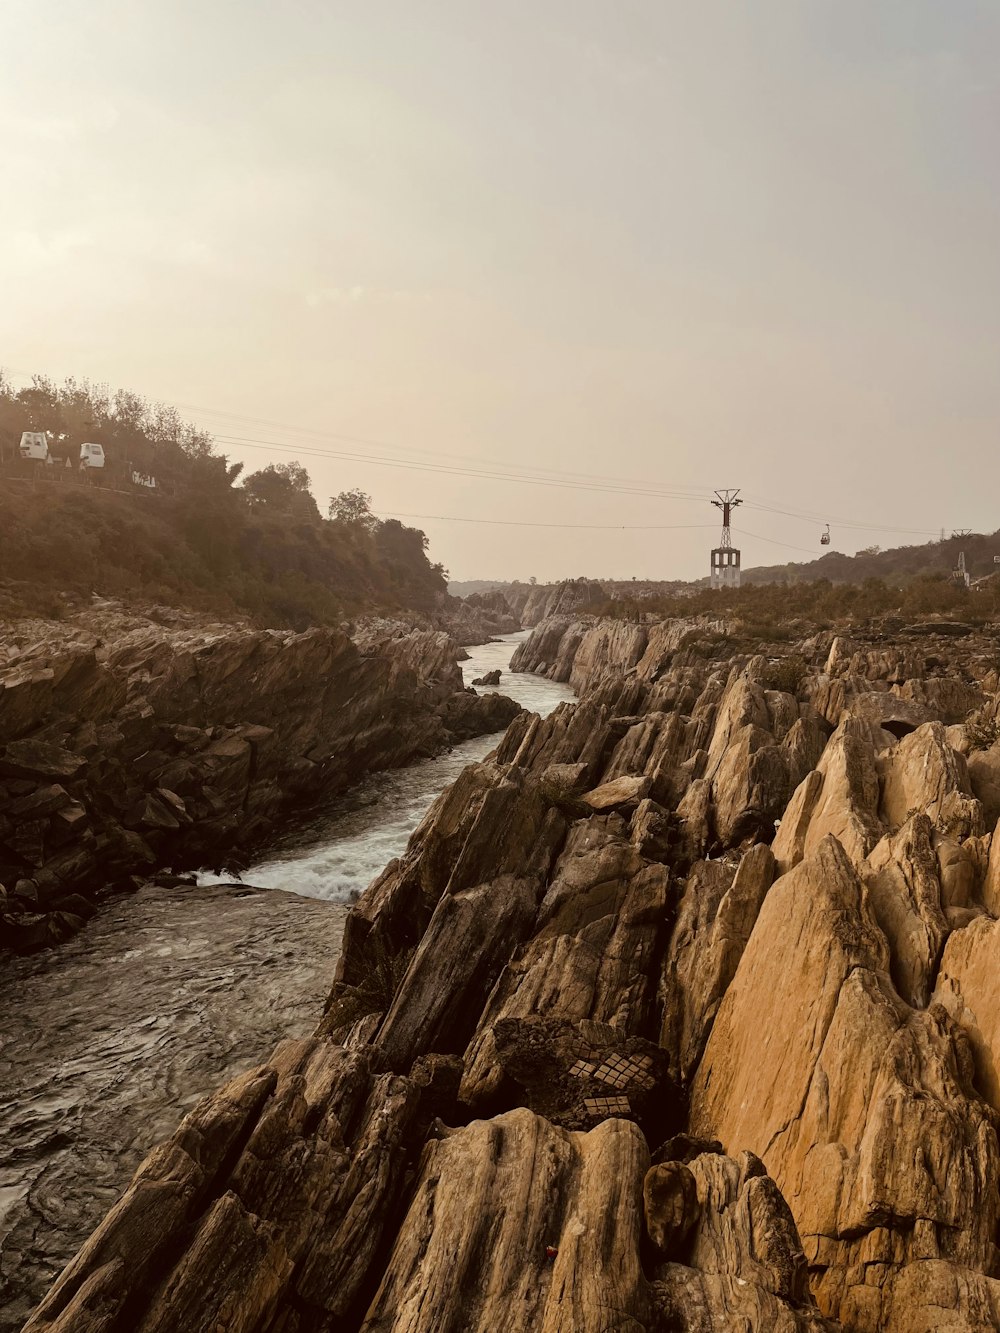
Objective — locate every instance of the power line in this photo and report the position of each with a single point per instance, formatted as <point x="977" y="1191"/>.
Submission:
<point x="694" y="493"/>
<point x="813" y="516"/>
<point x="519" y="523"/>
<point x="524" y="474"/>
<point x="591" y="527"/>
<point x="315" y="451"/>
<point x="771" y="541"/>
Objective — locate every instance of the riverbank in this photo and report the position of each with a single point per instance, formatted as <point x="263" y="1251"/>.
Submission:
<point x="113" y="1035"/>
<point x="132" y="741"/>
<point x="344" y="843"/>
<point x="110" y="1038"/>
<point x="677" y="1011"/>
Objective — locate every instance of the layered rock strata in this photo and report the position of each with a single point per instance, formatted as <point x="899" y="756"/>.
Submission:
<point x="172" y="743"/>
<point x="676" y="1014"/>
<point x="533" y="603"/>
<point x="478" y="618"/>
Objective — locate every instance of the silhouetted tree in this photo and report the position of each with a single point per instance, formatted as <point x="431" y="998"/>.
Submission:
<point x="353" y="507"/>
<point x="282" y="488"/>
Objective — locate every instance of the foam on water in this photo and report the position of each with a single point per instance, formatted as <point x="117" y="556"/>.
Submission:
<point x="340" y="849"/>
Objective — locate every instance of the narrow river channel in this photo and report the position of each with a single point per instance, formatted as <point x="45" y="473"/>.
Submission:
<point x="111" y="1036"/>
<point x="342" y="848"/>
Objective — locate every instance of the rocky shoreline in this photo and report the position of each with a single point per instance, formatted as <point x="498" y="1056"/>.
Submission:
<point x="677" y="1014"/>
<point x="129" y="742"/>
<point x="112" y="1036"/>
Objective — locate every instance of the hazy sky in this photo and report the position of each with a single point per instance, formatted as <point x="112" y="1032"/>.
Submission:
<point x="746" y="243"/>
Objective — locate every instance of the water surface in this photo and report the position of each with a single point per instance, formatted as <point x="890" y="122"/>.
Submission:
<point x="343" y="846"/>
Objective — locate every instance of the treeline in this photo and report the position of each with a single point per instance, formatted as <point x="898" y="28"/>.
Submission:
<point x="771" y="610"/>
<point x="149" y="436"/>
<point x="897" y="565"/>
<point x="207" y="538"/>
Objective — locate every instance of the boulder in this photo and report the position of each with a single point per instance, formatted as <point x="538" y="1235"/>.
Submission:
<point x="840" y="798"/>
<point x="904" y="892"/>
<point x="923" y="773"/>
<point x="491" y="678"/>
<point x="619" y="792"/>
<point x="566" y="1257"/>
<point x="38" y="759"/>
<point x="984" y="779"/>
<point x="968" y="986"/>
<point x="598" y="929"/>
<point x="733" y="1255"/>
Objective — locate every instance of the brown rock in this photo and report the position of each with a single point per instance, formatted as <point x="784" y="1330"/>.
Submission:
<point x="844" y="803"/>
<point x="578" y="1196"/>
<point x="670" y="1205"/>
<point x="968" y="986"/>
<point x="742" y="1266"/>
<point x="923" y="773"/>
<point x="621" y="792"/>
<point x="599" y="926"/>
<point x="718" y="911"/>
<point x="863" y="1110"/>
<point x="39" y="759"/>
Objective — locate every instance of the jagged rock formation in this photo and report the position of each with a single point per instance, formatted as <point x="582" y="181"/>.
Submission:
<point x="169" y="743"/>
<point x="478" y="618"/>
<point x="583" y="651"/>
<point x="678" y="1013"/>
<point x="533" y="603"/>
<point x="491" y="679"/>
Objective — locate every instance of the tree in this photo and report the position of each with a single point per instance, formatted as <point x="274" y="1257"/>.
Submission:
<point x="403" y="554"/>
<point x="130" y="412"/>
<point x="40" y="405"/>
<point x="282" y="488"/>
<point x="353" y="507"/>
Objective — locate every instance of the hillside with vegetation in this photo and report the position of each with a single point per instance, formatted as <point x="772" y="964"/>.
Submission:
<point x="900" y="564"/>
<point x="204" y="537"/>
<point x="777" y="611"/>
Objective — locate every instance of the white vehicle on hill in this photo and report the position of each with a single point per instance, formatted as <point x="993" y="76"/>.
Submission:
<point x="34" y="444"/>
<point x="91" y="455"/>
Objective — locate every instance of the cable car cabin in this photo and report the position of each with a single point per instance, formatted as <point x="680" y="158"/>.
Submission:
<point x="91" y="455"/>
<point x="34" y="444"/>
<point x="825" y="537"/>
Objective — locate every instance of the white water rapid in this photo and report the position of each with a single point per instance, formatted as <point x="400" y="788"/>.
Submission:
<point x="344" y="846"/>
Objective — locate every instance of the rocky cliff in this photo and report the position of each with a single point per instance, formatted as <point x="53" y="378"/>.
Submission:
<point x="678" y="1013"/>
<point x="478" y="618"/>
<point x="533" y="603"/>
<point x="128" y="742"/>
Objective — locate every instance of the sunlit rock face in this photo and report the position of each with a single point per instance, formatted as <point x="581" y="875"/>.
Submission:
<point x="676" y="1013"/>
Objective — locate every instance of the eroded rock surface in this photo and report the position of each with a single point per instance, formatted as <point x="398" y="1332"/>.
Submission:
<point x="678" y="1013"/>
<point x="109" y="1039"/>
<point x="129" y="742"/>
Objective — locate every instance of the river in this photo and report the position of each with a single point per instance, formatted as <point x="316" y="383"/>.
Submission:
<point x="340" y="849"/>
<point x="114" y="1034"/>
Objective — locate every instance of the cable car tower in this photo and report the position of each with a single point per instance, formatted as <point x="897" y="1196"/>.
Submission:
<point x="725" y="556"/>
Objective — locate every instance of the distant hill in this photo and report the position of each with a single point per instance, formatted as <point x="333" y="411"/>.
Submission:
<point x="466" y="587"/>
<point x="898" y="565"/>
